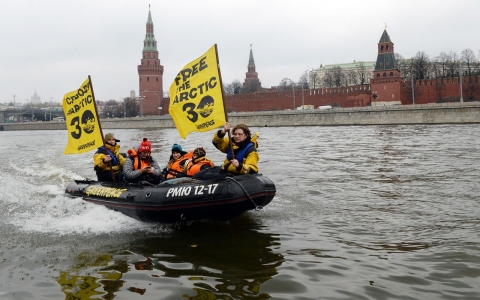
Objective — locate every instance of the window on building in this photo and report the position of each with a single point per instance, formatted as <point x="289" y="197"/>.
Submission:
<point x="378" y="75"/>
<point x="388" y="47"/>
<point x="391" y="74"/>
<point x="381" y="48"/>
<point x="148" y="78"/>
<point x="384" y="74"/>
<point x="381" y="65"/>
<point x="157" y="79"/>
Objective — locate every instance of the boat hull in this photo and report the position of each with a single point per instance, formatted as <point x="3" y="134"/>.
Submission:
<point x="181" y="199"/>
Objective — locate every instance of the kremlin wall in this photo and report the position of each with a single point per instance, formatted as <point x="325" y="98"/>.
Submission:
<point x="432" y="113"/>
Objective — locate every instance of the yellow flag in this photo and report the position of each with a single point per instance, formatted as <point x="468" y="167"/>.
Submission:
<point x="84" y="132"/>
<point x="196" y="99"/>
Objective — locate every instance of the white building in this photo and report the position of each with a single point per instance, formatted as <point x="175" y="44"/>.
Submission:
<point x="35" y="99"/>
<point x="355" y="73"/>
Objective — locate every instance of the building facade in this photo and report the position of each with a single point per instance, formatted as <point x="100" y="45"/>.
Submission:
<point x="344" y="74"/>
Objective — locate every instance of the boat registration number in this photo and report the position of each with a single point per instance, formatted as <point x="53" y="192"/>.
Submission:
<point x="196" y="190"/>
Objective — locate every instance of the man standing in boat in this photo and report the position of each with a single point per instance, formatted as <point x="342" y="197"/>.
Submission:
<point x="245" y="156"/>
<point x="109" y="159"/>
<point x="141" y="166"/>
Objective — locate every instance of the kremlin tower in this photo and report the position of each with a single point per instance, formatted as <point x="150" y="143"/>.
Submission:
<point x="150" y="74"/>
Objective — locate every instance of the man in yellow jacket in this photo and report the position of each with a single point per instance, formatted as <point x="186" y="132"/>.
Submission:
<point x="245" y="158"/>
<point x="109" y="159"/>
<point x="245" y="155"/>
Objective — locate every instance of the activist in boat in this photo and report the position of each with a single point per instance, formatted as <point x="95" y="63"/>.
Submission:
<point x="242" y="156"/>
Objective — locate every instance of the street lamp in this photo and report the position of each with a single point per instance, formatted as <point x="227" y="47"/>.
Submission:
<point x="461" y="90"/>
<point x="303" y="85"/>
<point x="159" y="107"/>
<point x="141" y="102"/>
<point x="294" y="100"/>
<point x="124" y="108"/>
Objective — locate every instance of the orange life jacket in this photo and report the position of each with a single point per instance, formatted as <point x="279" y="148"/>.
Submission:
<point x="195" y="166"/>
<point x="176" y="166"/>
<point x="137" y="162"/>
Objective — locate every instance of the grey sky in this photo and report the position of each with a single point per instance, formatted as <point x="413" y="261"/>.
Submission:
<point x="53" y="45"/>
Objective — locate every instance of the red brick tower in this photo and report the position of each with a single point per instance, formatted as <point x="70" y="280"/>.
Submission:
<point x="251" y="83"/>
<point x="150" y="73"/>
<point x="385" y="84"/>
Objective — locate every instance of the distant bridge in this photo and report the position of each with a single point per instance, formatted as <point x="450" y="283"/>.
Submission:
<point x="29" y="115"/>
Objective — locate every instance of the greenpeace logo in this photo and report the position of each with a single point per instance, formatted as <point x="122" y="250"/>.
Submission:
<point x="87" y="145"/>
<point x="206" y="125"/>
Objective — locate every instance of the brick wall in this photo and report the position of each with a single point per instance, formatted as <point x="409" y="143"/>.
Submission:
<point x="426" y="91"/>
<point x="431" y="90"/>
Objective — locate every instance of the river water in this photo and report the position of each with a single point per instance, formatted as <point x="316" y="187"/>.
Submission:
<point x="377" y="212"/>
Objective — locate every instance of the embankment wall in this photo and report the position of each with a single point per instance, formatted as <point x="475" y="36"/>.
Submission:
<point x="433" y="113"/>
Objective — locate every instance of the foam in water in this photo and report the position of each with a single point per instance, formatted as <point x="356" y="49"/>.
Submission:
<point x="44" y="208"/>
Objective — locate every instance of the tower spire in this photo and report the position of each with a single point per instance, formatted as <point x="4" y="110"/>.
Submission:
<point x="251" y="62"/>
<point x="251" y="83"/>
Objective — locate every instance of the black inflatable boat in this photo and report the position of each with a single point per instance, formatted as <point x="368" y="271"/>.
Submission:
<point x="181" y="199"/>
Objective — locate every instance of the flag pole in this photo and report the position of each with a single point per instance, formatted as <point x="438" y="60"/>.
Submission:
<point x="223" y="99"/>
<point x="100" y="126"/>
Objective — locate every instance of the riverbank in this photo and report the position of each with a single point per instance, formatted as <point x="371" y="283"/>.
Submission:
<point x="441" y="113"/>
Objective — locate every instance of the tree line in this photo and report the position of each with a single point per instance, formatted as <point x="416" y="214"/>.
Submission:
<point x="420" y="66"/>
<point x="445" y="65"/>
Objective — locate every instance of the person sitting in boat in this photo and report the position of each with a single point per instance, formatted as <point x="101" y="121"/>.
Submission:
<point x="108" y="159"/>
<point x="176" y="164"/>
<point x="198" y="162"/>
<point x="245" y="159"/>
<point x="141" y="166"/>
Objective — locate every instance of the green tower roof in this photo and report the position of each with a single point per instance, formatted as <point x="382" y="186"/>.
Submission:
<point x="149" y="43"/>
<point x="385" y="37"/>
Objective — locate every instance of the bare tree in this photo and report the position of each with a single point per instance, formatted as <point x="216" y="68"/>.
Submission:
<point x="404" y="66"/>
<point x="285" y="84"/>
<point x="113" y="109"/>
<point x="442" y="64"/>
<point x="228" y="89"/>
<point x="251" y="86"/>
<point x="303" y="81"/>
<point x="452" y="64"/>
<point x="236" y="86"/>
<point x="420" y="64"/>
<point x="314" y="80"/>
<point x="328" y="79"/>
<point x="361" y="74"/>
<point x="132" y="107"/>
<point x="468" y="57"/>
<point x="338" y="76"/>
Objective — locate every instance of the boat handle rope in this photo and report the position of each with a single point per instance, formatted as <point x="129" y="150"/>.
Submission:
<point x="257" y="207"/>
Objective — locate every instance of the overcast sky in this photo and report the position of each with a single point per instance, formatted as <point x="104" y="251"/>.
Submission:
<point x="51" y="46"/>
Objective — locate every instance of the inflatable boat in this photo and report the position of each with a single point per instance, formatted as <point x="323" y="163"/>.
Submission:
<point x="181" y="199"/>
